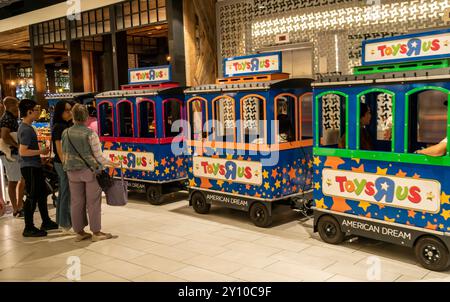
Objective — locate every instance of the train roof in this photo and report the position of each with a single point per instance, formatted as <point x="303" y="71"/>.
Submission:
<point x="69" y="95"/>
<point x="278" y="84"/>
<point x="142" y="92"/>
<point x="427" y="75"/>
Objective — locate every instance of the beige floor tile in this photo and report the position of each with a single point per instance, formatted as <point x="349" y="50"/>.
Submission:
<point x="238" y="235"/>
<point x="305" y="260"/>
<point x="285" y="244"/>
<point x="85" y="269"/>
<point x="210" y="239"/>
<point x="437" y="276"/>
<point x="116" y="251"/>
<point x="122" y="269"/>
<point x="158" y="263"/>
<point x="214" y="264"/>
<point x="252" y="248"/>
<point x="298" y="272"/>
<point x="201" y="248"/>
<point x="362" y="273"/>
<point x="161" y="238"/>
<point x="252" y="260"/>
<point x="43" y="274"/>
<point x="328" y="253"/>
<point x="259" y="275"/>
<point x="196" y="274"/>
<point x="100" y="276"/>
<point x="135" y="243"/>
<point x="175" y="253"/>
<point x="157" y="277"/>
<point x="340" y="278"/>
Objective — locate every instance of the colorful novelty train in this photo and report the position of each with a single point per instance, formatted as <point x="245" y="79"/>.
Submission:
<point x="343" y="146"/>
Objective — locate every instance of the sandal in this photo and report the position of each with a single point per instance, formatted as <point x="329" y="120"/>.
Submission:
<point x="81" y="237"/>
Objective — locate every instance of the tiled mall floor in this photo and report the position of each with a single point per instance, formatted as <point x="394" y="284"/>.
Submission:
<point x="172" y="243"/>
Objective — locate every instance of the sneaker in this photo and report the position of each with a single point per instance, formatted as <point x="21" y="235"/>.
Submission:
<point x="50" y="225"/>
<point x="67" y="231"/>
<point x="102" y="236"/>
<point x="34" y="232"/>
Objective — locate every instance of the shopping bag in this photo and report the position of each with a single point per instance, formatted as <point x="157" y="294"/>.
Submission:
<point x="117" y="194"/>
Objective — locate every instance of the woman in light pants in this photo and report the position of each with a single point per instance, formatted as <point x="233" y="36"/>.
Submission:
<point x="62" y="119"/>
<point x="82" y="157"/>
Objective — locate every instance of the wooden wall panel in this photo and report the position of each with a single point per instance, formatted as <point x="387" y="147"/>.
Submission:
<point x="200" y="41"/>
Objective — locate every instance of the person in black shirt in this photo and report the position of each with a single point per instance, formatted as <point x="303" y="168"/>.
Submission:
<point x="366" y="141"/>
<point x="16" y="185"/>
<point x="62" y="119"/>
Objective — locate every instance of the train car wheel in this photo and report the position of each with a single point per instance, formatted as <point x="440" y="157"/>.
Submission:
<point x="330" y="230"/>
<point x="199" y="203"/>
<point x="432" y="254"/>
<point x="260" y="216"/>
<point x="154" y="195"/>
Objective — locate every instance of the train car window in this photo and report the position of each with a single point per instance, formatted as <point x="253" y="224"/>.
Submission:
<point x="286" y="121"/>
<point x="332" y="121"/>
<point x="172" y="113"/>
<point x="427" y="119"/>
<point x="147" y="120"/>
<point x="224" y="124"/>
<point x="306" y="117"/>
<point x="125" y="110"/>
<point x="197" y="119"/>
<point x="106" y="119"/>
<point x="376" y="127"/>
<point x="253" y="119"/>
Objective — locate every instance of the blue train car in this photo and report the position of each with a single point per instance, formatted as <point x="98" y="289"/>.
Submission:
<point x="137" y="128"/>
<point x="251" y="142"/>
<point x="372" y="176"/>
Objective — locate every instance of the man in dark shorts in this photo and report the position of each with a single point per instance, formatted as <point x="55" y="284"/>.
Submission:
<point x="9" y="124"/>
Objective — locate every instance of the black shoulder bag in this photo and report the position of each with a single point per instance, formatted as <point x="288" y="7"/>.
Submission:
<point x="104" y="180"/>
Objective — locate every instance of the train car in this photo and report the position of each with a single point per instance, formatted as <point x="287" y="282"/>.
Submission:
<point x="369" y="179"/>
<point x="250" y="136"/>
<point x="137" y="128"/>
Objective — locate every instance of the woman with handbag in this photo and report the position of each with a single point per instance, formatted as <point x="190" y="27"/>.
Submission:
<point x="62" y="119"/>
<point x="83" y="161"/>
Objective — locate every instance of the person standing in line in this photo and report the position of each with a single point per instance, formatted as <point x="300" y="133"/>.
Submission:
<point x="16" y="185"/>
<point x="83" y="156"/>
<point x="32" y="171"/>
<point x="62" y="119"/>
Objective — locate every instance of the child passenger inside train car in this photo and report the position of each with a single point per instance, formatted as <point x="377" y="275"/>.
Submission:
<point x="366" y="140"/>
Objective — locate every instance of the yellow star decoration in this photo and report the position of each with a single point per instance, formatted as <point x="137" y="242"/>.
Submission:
<point x="277" y="184"/>
<point x="267" y="186"/>
<point x="381" y="171"/>
<point x="430" y="196"/>
<point x="167" y="171"/>
<point x="229" y="156"/>
<point x="220" y="183"/>
<point x="190" y="170"/>
<point x="357" y="160"/>
<point x="445" y="198"/>
<point x="192" y="183"/>
<point x="156" y="163"/>
<point x="364" y="205"/>
<point x="389" y="219"/>
<point x="445" y="214"/>
<point x="157" y="172"/>
<point x="317" y="186"/>
<point x="320" y="203"/>
<point x="265" y="174"/>
<point x="284" y="181"/>
<point x="317" y="161"/>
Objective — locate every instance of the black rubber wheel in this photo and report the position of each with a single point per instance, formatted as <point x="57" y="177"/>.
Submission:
<point x="259" y="214"/>
<point x="154" y="195"/>
<point x="199" y="203"/>
<point x="330" y="230"/>
<point x="432" y="254"/>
